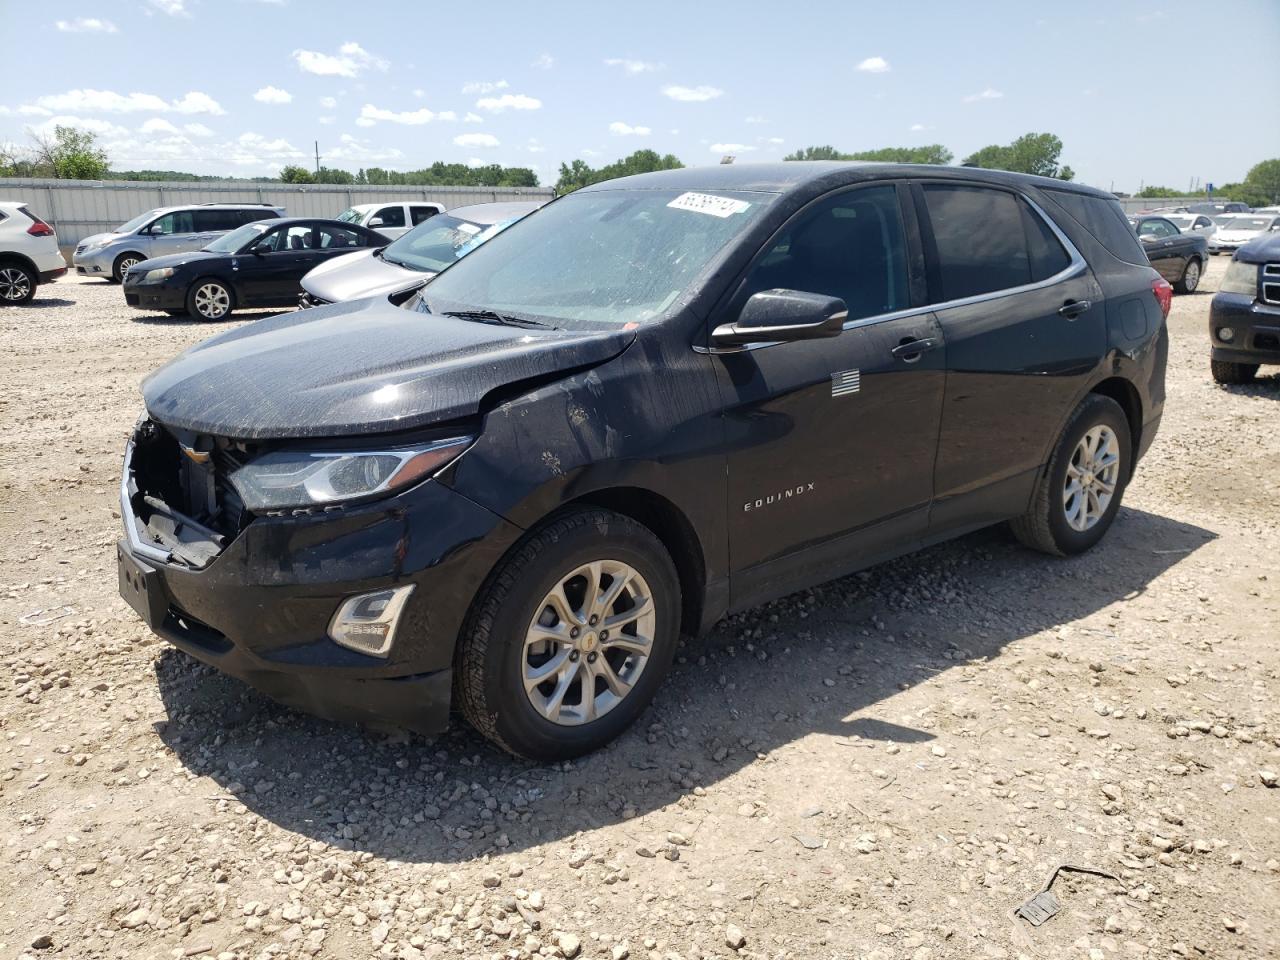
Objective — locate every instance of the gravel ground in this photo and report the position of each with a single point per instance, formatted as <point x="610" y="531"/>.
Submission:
<point x="881" y="767"/>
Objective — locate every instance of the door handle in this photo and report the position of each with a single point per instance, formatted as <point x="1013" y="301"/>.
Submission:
<point x="910" y="349"/>
<point x="1073" y="308"/>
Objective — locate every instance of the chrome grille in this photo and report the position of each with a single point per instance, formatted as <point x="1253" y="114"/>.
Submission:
<point x="1271" y="283"/>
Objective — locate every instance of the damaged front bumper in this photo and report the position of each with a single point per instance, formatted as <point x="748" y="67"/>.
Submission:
<point x="257" y="603"/>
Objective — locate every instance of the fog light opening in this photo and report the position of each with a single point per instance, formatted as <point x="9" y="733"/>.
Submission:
<point x="367" y="623"/>
<point x="1226" y="334"/>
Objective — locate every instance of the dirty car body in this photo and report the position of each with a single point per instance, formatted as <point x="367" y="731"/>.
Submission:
<point x="677" y="397"/>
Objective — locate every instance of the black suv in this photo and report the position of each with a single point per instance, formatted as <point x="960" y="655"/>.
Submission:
<point x="650" y="402"/>
<point x="1244" y="318"/>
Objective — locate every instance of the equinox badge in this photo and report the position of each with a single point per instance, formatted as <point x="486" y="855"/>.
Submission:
<point x="796" y="491"/>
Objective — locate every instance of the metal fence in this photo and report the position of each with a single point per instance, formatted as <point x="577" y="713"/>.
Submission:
<point x="1138" y="204"/>
<point x="79" y="208"/>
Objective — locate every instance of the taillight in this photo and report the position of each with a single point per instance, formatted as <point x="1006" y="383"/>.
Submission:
<point x="1164" y="295"/>
<point x="40" y="229"/>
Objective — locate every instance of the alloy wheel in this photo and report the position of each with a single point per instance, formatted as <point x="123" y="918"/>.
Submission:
<point x="14" y="284"/>
<point x="1191" y="278"/>
<point x="1091" y="478"/>
<point x="212" y="301"/>
<point x="588" y="642"/>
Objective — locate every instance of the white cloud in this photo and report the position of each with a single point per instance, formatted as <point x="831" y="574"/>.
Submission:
<point x="513" y="101"/>
<point x="731" y="148"/>
<point x="354" y="150"/>
<point x="419" y="92"/>
<point x="325" y="121"/>
<point x="755" y="118"/>
<point x="476" y="140"/>
<point x="351" y="60"/>
<point x="483" y="86"/>
<point x="535" y="147"/>
<point x="278" y="147"/>
<point x="369" y="115"/>
<point x="588" y="152"/>
<point x="159" y="125"/>
<point x="917" y="127"/>
<point x="86" y="25"/>
<point x="174" y="8"/>
<point x="776" y="140"/>
<point x="197" y="130"/>
<point x="693" y="94"/>
<point x="472" y="118"/>
<point x="620" y="129"/>
<point x="544" y="61"/>
<point x="104" y="128"/>
<point x="874" y="65"/>
<point x="273" y="95"/>
<point x="635" y="66"/>
<point x="987" y="94"/>
<point x="328" y="102"/>
<point x="29" y="110"/>
<point x="108" y="101"/>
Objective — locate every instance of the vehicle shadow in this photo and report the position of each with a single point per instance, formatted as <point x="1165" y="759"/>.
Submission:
<point x="240" y="316"/>
<point x="1263" y="385"/>
<point x="822" y="661"/>
<point x="42" y="303"/>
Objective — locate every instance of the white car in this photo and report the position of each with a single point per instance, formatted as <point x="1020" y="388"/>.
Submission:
<point x="391" y="219"/>
<point x="29" y="254"/>
<point x="1197" y="223"/>
<point x="1237" y="229"/>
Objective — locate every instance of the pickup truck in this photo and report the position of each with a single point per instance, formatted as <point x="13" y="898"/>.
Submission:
<point x="1178" y="257"/>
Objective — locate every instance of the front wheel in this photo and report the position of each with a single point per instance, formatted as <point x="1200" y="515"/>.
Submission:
<point x="1230" y="374"/>
<point x="1190" y="277"/>
<point x="124" y="263"/>
<point x="1077" y="497"/>
<point x="210" y="299"/>
<point x="17" y="284"/>
<point x="571" y="636"/>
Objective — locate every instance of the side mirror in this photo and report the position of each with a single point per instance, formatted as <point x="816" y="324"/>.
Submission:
<point x="376" y="222"/>
<point x="258" y="249"/>
<point x="783" y="315"/>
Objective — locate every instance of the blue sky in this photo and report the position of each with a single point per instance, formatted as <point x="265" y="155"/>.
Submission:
<point x="243" y="87"/>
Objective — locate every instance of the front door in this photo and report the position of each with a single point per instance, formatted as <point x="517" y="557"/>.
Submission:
<point x="272" y="277"/>
<point x="173" y="233"/>
<point x="831" y="442"/>
<point x="1025" y="328"/>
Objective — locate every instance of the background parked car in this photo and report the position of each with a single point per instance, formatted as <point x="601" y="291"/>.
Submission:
<point x="1244" y="317"/>
<point x="28" y="253"/>
<point x="1217" y="206"/>
<point x="162" y="231"/>
<point x="258" y="265"/>
<point x="420" y="254"/>
<point x="1197" y="223"/>
<point x="1178" y="257"/>
<point x="391" y="219"/>
<point x="1237" y="229"/>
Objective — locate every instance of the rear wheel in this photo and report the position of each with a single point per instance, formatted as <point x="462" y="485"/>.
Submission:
<point x="17" y="284"/>
<point x="1227" y="372"/>
<point x="1190" y="277"/>
<point x="570" y="638"/>
<point x="123" y="264"/>
<point x="1077" y="498"/>
<point x="210" y="299"/>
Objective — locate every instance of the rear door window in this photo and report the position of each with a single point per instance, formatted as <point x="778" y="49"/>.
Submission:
<point x="980" y="240"/>
<point x="335" y="237"/>
<point x="391" y="216"/>
<point x="213" y="221"/>
<point x="418" y="213"/>
<point x="1105" y="221"/>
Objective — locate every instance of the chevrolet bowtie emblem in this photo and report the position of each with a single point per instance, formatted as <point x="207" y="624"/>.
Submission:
<point x="196" y="456"/>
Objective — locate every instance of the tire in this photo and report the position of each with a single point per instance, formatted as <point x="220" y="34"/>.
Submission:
<point x="17" y="283"/>
<point x="1190" y="278"/>
<point x="122" y="265"/>
<point x="1050" y="525"/>
<point x="210" y="299"/>
<point x="1229" y="373"/>
<point x="494" y="653"/>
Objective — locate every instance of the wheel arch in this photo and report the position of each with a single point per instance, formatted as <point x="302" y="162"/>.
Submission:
<point x="115" y="261"/>
<point x="23" y="261"/>
<point x="1123" y="392"/>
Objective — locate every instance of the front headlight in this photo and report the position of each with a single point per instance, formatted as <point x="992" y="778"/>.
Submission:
<point x="1241" y="278"/>
<point x="155" y="276"/>
<point x="318" y="478"/>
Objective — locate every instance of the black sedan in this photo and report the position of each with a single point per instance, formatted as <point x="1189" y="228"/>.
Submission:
<point x="1178" y="257"/>
<point x="259" y="265"/>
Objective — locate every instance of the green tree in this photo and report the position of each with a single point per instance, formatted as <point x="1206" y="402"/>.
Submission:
<point x="329" y="175"/>
<point x="1158" y="193"/>
<point x="934" y="153"/>
<point x="295" y="174"/>
<point x="826" y="152"/>
<point x="1035" y="153"/>
<point x="1264" y="179"/>
<point x="70" y="154"/>
<point x="578" y="174"/>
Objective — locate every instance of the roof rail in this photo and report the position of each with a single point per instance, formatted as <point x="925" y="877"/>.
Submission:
<point x="233" y="203"/>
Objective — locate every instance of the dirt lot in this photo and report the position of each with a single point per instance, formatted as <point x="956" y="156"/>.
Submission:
<point x="882" y="767"/>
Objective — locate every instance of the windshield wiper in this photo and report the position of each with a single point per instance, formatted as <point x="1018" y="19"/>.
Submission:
<point x="499" y="319"/>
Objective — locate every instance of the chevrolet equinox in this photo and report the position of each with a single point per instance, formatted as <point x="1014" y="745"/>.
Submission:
<point x="651" y="402"/>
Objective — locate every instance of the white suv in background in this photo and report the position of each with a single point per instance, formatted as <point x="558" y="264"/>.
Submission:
<point x="29" y="254"/>
<point x="391" y="219"/>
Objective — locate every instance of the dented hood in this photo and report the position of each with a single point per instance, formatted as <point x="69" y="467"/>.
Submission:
<point x="357" y="368"/>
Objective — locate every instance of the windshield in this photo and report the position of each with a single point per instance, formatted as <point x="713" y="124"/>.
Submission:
<point x="433" y="244"/>
<point x="232" y="242"/>
<point x="349" y="215"/>
<point x="1182" y="223"/>
<point x="1248" y="223"/>
<point x="612" y="256"/>
<point x="136" y="223"/>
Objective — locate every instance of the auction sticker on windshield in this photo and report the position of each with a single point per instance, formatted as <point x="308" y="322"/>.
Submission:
<point x="709" y="203"/>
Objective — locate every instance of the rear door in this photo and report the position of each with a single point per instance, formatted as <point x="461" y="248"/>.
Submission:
<point x="1025" y="328"/>
<point x="831" y="442"/>
<point x="213" y="223"/>
<point x="1160" y="240"/>
<point x="419" y="212"/>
